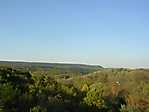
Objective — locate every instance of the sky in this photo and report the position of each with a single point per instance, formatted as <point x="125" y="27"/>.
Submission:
<point x="111" y="33"/>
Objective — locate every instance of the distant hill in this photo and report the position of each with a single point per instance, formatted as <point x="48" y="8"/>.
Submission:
<point x="55" y="68"/>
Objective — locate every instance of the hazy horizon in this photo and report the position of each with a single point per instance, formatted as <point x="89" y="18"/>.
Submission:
<point x="109" y="33"/>
<point x="27" y="61"/>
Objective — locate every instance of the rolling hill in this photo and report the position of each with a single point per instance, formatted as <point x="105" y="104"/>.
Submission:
<point x="55" y="68"/>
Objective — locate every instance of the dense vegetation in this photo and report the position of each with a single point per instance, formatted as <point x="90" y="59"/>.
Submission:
<point x="105" y="90"/>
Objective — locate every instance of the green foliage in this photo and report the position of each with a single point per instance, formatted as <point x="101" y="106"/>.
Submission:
<point x="129" y="109"/>
<point x="38" y="109"/>
<point x="69" y="90"/>
<point x="21" y="91"/>
<point x="7" y="93"/>
<point x="94" y="96"/>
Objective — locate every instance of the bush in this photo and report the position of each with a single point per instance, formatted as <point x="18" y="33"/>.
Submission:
<point x="94" y="97"/>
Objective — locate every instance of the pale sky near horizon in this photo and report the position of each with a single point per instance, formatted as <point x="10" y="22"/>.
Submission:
<point x="111" y="33"/>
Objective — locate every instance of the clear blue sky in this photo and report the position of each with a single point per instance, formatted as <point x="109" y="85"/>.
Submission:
<point x="112" y="33"/>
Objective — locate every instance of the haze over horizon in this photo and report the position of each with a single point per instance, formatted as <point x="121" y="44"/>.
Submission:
<point x="110" y="33"/>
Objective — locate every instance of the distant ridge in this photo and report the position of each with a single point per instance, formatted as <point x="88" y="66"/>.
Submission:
<point x="44" y="63"/>
<point x="82" y="68"/>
